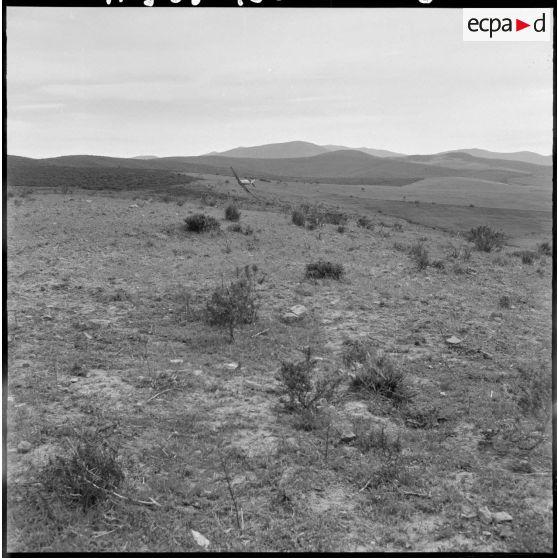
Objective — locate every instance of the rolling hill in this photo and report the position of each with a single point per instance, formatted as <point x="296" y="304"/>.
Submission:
<point x="337" y="167"/>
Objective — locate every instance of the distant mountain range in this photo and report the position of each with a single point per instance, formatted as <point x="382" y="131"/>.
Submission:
<point x="347" y="166"/>
<point x="299" y="149"/>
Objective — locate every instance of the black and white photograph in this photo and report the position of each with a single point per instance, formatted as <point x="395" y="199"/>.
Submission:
<point x="279" y="279"/>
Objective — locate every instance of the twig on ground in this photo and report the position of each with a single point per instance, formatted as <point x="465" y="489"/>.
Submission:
<point x="261" y="332"/>
<point x="160" y="393"/>
<point x="231" y="492"/>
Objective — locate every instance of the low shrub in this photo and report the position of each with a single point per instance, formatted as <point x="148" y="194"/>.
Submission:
<point x="380" y="375"/>
<point x="355" y="351"/>
<point x="243" y="229"/>
<point x="232" y="213"/>
<point x="200" y="223"/>
<point x="527" y="256"/>
<point x="420" y="255"/>
<point x="485" y="238"/>
<point x="365" y="223"/>
<point x="324" y="270"/>
<point x="235" y="303"/>
<point x="304" y="386"/>
<point x="533" y="391"/>
<point x="341" y="229"/>
<point x="87" y="476"/>
<point x="298" y="218"/>
<point x="544" y="249"/>
<point x="505" y="301"/>
<point x="334" y="218"/>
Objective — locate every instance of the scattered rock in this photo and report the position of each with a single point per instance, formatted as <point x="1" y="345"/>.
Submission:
<point x="485" y="515"/>
<point x="506" y="532"/>
<point x="501" y="517"/>
<point x="133" y="205"/>
<point x="252" y="385"/>
<point x="74" y="380"/>
<point x="453" y="340"/>
<point x="200" y="539"/>
<point x="24" y="447"/>
<point x="176" y="360"/>
<point x="198" y="372"/>
<point x="467" y="512"/>
<point x="294" y="314"/>
<point x="346" y="433"/>
<point x="487" y="533"/>
<point x="231" y="365"/>
<point x="357" y="409"/>
<point x="100" y="322"/>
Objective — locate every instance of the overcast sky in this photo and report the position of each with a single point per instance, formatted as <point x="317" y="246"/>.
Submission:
<point x="186" y="81"/>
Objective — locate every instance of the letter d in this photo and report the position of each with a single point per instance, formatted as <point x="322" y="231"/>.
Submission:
<point x="543" y="23"/>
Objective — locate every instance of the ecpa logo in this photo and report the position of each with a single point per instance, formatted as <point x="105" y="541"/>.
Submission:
<point x="521" y="24"/>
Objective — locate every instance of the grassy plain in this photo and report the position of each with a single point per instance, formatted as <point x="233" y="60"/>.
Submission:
<point x="107" y="343"/>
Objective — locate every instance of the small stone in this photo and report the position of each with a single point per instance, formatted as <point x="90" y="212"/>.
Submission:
<point x="24" y="447"/>
<point x="231" y="365"/>
<point x="176" y="360"/>
<point x="485" y="515"/>
<point x="74" y="380"/>
<point x="487" y="533"/>
<point x="198" y="372"/>
<point x="501" y="517"/>
<point x="453" y="340"/>
<point x="200" y="539"/>
<point x="468" y="512"/>
<point x="506" y="532"/>
<point x="347" y="435"/>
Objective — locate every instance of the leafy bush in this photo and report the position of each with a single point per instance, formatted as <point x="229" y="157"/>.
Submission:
<point x="232" y="213"/>
<point x="87" y="476"/>
<point x="380" y="375"/>
<point x="544" y="249"/>
<point x="324" y="270"/>
<point x="234" y="304"/>
<point x="304" y="386"/>
<point x="200" y="223"/>
<point x="298" y="218"/>
<point x="341" y="229"/>
<point x="420" y="254"/>
<point x="485" y="238"/>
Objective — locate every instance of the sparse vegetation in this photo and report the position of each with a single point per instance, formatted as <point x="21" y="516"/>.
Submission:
<point x="486" y="239"/>
<point x="324" y="270"/>
<point x="201" y="223"/>
<point x="234" y="304"/>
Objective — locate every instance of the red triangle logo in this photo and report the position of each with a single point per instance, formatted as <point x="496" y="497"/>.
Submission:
<point x="519" y="25"/>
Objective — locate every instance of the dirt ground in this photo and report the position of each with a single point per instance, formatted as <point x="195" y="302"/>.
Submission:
<point x="106" y="341"/>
